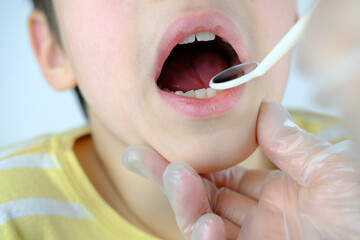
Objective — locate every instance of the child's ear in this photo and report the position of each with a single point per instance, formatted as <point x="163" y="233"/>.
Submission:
<point x="52" y="60"/>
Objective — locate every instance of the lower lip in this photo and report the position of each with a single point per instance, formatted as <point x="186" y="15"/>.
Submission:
<point x="196" y="108"/>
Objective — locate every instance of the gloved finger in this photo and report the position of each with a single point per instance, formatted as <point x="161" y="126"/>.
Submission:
<point x="241" y="180"/>
<point x="151" y="165"/>
<point x="209" y="227"/>
<point x="232" y="231"/>
<point x="187" y="195"/>
<point x="228" y="204"/>
<point x="146" y="162"/>
<point x="293" y="150"/>
<point x="232" y="205"/>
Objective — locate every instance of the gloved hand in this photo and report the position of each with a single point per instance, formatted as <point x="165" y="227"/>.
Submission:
<point x="316" y="195"/>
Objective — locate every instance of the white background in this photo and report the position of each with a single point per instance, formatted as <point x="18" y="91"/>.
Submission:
<point x="29" y="107"/>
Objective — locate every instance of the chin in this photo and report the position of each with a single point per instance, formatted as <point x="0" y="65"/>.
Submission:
<point x="206" y="154"/>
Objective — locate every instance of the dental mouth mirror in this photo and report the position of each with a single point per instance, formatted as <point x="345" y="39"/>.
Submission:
<point x="245" y="72"/>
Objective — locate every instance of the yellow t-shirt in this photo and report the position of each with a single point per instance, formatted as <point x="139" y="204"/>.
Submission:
<point x="324" y="126"/>
<point x="44" y="194"/>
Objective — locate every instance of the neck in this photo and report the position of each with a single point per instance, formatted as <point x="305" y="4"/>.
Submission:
<point x="136" y="199"/>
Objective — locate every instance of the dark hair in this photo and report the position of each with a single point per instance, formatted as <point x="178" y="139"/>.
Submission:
<point x="46" y="6"/>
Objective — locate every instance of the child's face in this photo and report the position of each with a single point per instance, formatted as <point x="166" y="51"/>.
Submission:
<point x="117" y="49"/>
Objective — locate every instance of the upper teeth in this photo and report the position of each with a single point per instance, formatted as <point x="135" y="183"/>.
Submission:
<point x="202" y="36"/>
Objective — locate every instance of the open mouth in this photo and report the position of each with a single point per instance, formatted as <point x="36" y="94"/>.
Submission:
<point x="193" y="62"/>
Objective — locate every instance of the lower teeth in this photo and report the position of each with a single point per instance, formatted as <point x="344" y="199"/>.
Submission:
<point x="200" y="93"/>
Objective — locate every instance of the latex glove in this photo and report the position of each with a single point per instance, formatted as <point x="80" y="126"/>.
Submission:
<point x="315" y="196"/>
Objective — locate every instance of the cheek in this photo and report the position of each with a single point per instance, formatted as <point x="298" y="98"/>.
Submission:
<point x="276" y="79"/>
<point x="272" y="21"/>
<point x="96" y="39"/>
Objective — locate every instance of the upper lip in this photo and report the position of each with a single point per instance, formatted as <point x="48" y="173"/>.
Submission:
<point x="191" y="23"/>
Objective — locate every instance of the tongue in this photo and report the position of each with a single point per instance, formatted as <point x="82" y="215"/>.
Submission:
<point x="185" y="71"/>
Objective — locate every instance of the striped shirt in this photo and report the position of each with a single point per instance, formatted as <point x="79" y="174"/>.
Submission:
<point x="44" y="194"/>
